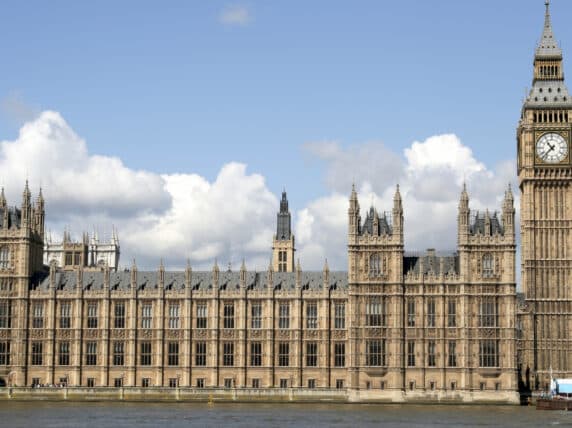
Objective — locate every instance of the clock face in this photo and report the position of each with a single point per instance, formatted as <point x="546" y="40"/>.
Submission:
<point x="552" y="148"/>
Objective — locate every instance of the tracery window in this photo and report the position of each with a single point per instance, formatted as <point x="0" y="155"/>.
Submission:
<point x="374" y="312"/>
<point x="431" y="313"/>
<point x="488" y="266"/>
<point x="374" y="265"/>
<point x="312" y="315"/>
<point x="488" y="312"/>
<point x="375" y="353"/>
<point x="488" y="353"/>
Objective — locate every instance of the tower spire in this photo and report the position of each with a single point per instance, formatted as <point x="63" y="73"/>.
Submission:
<point x="548" y="46"/>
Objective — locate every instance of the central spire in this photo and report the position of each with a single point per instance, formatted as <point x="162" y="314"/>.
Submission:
<point x="284" y="230"/>
<point x="548" y="46"/>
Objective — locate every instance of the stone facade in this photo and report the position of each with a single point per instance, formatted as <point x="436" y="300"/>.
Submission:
<point x="396" y="326"/>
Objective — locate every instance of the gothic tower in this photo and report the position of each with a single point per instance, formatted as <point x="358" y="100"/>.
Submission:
<point x="375" y="278"/>
<point x="21" y="253"/>
<point x="283" y="244"/>
<point x="544" y="175"/>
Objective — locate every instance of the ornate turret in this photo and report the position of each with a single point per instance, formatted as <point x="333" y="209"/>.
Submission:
<point x="40" y="214"/>
<point x="354" y="218"/>
<point x="26" y="206"/>
<point x="463" y="217"/>
<point x="508" y="213"/>
<point x="397" y="214"/>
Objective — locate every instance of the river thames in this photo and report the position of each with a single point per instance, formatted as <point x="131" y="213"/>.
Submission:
<point x="131" y="415"/>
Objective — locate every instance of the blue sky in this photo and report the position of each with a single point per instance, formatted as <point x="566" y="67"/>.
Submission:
<point x="170" y="87"/>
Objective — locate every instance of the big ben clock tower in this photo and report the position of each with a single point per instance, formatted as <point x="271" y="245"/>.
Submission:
<point x="545" y="181"/>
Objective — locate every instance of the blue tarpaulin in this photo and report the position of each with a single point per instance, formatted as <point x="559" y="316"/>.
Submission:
<point x="564" y="386"/>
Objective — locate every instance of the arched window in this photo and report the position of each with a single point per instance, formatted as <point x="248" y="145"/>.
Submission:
<point x="488" y="266"/>
<point x="4" y="258"/>
<point x="374" y="265"/>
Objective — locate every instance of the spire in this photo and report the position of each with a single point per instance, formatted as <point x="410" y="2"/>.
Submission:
<point x="464" y="201"/>
<point x="284" y="220"/>
<point x="397" y="202"/>
<point x="548" y="46"/>
<point x="2" y="199"/>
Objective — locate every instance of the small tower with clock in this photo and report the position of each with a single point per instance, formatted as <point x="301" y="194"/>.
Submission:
<point x="544" y="176"/>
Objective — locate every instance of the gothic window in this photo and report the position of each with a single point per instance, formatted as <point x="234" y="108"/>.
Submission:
<point x="488" y="312"/>
<point x="431" y="358"/>
<point x="5" y="314"/>
<point x="228" y="318"/>
<point x="64" y="354"/>
<point x="4" y="353"/>
<point x="118" y="353"/>
<point x="256" y="315"/>
<point x="374" y="312"/>
<point x="340" y="315"/>
<point x="256" y="354"/>
<point x="282" y="261"/>
<point x="452" y="313"/>
<point x="431" y="313"/>
<point x="488" y="266"/>
<point x="283" y="354"/>
<point x="146" y="315"/>
<point x="311" y="354"/>
<point x="173" y="353"/>
<point x="92" y="315"/>
<point x="312" y="315"/>
<point x="4" y="258"/>
<point x="119" y="321"/>
<point x="375" y="353"/>
<point x="228" y="354"/>
<point x="452" y="353"/>
<point x="340" y="354"/>
<point x="488" y="353"/>
<point x="374" y="265"/>
<point x="201" y="354"/>
<point x="91" y="353"/>
<point x="202" y="315"/>
<point x="411" y="313"/>
<point x="174" y="315"/>
<point x="65" y="315"/>
<point x="411" y="353"/>
<point x="284" y="316"/>
<point x="38" y="315"/>
<point x="37" y="353"/>
<point x="145" y="356"/>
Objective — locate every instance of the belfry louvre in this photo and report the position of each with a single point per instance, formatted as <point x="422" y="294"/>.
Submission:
<point x="395" y="326"/>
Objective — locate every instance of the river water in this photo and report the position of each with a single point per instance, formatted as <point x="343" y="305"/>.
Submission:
<point x="140" y="415"/>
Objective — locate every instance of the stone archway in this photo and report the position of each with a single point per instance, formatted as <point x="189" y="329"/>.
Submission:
<point x="2" y="382"/>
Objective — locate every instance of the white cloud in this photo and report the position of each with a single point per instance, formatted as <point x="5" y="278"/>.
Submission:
<point x="172" y="216"/>
<point x="176" y="216"/>
<point x="430" y="175"/>
<point x="235" y="15"/>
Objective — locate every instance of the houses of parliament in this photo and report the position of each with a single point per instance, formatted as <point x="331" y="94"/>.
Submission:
<point x="395" y="326"/>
